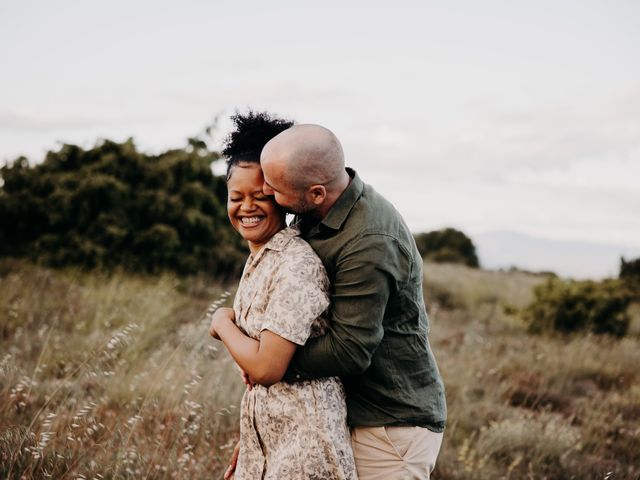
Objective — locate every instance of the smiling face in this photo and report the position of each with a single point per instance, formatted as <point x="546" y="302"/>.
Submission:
<point x="253" y="214"/>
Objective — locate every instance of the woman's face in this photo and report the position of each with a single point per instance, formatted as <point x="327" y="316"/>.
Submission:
<point x="253" y="214"/>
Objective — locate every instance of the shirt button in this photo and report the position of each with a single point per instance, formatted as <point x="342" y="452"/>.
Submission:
<point x="298" y="377"/>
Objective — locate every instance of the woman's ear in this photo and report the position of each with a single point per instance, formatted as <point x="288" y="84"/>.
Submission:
<point x="317" y="193"/>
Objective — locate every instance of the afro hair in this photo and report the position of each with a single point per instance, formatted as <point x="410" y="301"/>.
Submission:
<point x="252" y="132"/>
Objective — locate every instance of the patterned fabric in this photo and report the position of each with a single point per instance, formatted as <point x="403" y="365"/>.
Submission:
<point x="290" y="430"/>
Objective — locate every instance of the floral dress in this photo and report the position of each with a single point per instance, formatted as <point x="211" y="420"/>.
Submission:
<point x="290" y="430"/>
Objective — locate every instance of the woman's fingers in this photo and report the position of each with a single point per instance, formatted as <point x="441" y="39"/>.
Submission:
<point x="246" y="378"/>
<point x="232" y="464"/>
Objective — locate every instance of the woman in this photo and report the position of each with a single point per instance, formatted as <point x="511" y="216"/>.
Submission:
<point x="287" y="430"/>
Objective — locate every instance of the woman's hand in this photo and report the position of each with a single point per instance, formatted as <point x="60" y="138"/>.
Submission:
<point x="246" y="378"/>
<point x="232" y="464"/>
<point x="264" y="361"/>
<point x="221" y="315"/>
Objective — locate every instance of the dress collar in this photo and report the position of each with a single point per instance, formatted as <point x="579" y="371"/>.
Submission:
<point x="276" y="243"/>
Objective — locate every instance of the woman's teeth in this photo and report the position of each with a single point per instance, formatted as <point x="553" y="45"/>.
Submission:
<point x="250" y="220"/>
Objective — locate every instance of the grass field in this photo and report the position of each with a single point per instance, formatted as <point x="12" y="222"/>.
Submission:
<point x="113" y="377"/>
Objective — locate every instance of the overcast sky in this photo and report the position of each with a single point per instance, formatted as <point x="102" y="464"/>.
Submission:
<point x="492" y="115"/>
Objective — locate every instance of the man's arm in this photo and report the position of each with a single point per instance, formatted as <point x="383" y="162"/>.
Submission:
<point x="365" y="277"/>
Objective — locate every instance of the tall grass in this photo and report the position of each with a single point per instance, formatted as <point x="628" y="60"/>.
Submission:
<point x="524" y="406"/>
<point x="111" y="377"/>
<point x="115" y="377"/>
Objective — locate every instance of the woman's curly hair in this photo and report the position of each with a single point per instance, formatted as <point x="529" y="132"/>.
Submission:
<point x="252" y="132"/>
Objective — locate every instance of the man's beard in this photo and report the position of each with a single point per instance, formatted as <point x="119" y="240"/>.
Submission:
<point x="302" y="209"/>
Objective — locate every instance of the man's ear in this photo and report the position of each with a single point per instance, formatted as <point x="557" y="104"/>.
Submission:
<point x="317" y="193"/>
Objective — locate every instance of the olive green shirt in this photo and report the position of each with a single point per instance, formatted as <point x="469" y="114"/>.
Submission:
<point x="378" y="338"/>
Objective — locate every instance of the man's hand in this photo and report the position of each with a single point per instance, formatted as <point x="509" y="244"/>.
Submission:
<point x="223" y="314"/>
<point x="228" y="475"/>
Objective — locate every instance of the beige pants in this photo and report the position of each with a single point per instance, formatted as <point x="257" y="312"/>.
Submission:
<point x="390" y="453"/>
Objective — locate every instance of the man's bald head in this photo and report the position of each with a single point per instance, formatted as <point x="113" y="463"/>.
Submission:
<point x="305" y="155"/>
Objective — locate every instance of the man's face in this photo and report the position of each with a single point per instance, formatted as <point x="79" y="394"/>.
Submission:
<point x="291" y="200"/>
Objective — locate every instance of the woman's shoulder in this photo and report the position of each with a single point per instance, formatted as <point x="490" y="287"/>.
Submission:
<point x="294" y="256"/>
<point x="296" y="246"/>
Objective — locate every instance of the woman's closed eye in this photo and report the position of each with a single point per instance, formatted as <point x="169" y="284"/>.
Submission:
<point x="258" y="198"/>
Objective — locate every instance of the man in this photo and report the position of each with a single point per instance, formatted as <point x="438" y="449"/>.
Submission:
<point x="378" y="341"/>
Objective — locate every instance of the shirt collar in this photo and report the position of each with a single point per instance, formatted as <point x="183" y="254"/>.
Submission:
<point x="277" y="242"/>
<point x="280" y="239"/>
<point x="345" y="202"/>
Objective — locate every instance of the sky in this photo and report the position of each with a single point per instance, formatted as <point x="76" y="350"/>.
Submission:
<point x="484" y="116"/>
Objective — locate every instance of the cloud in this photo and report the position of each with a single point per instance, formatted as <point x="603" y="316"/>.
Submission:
<point x="607" y="173"/>
<point x="560" y="172"/>
<point x="571" y="145"/>
<point x="24" y="122"/>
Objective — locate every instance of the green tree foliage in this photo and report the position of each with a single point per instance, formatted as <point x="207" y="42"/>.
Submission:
<point x="630" y="274"/>
<point x="114" y="206"/>
<point x="630" y="270"/>
<point x="447" y="246"/>
<point x="571" y="306"/>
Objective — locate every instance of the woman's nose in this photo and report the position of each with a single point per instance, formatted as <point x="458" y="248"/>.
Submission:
<point x="247" y="204"/>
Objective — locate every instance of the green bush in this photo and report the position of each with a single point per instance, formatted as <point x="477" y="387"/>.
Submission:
<point x="572" y="306"/>
<point x="630" y="275"/>
<point x="447" y="246"/>
<point x="113" y="206"/>
<point x="630" y="270"/>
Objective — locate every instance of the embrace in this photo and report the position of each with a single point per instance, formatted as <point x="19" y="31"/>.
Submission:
<point x="328" y="323"/>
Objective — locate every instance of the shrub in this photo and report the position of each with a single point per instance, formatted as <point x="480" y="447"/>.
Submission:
<point x="447" y="246"/>
<point x="630" y="270"/>
<point x="570" y="306"/>
<point x="630" y="275"/>
<point x="112" y="206"/>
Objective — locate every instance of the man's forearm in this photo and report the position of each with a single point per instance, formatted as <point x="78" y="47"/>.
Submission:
<point x="330" y="356"/>
<point x="361" y="289"/>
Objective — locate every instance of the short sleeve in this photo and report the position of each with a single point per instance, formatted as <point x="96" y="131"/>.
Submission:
<point x="298" y="294"/>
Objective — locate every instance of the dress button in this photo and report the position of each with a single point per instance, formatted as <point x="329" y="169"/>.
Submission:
<point x="298" y="377"/>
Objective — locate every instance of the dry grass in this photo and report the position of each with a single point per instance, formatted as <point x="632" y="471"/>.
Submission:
<point x="485" y="295"/>
<point x="524" y="406"/>
<point x="113" y="377"/>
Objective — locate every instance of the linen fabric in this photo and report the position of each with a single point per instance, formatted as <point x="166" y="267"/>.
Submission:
<point x="378" y="340"/>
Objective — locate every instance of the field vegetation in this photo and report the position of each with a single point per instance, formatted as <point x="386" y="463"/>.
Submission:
<point x="524" y="406"/>
<point x="114" y="376"/>
<point x="111" y="376"/>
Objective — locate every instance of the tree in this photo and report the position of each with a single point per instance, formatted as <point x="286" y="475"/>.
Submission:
<point x="630" y="269"/>
<point x="447" y="246"/>
<point x="112" y="205"/>
<point x="630" y="274"/>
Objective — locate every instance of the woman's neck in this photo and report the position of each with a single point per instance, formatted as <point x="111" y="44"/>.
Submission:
<point x="254" y="248"/>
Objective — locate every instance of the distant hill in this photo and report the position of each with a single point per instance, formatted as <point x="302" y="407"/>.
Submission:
<point x="504" y="249"/>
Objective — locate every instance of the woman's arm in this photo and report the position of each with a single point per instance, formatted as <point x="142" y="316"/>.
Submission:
<point x="265" y="361"/>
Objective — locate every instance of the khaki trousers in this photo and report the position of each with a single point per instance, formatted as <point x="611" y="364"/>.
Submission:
<point x="390" y="453"/>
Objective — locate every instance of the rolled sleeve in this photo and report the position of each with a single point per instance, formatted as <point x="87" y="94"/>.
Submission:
<point x="298" y="297"/>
